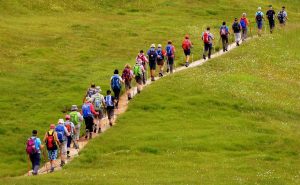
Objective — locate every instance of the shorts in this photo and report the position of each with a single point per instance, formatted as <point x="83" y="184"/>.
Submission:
<point x="110" y="112"/>
<point x="63" y="148"/>
<point x="52" y="154"/>
<point x="100" y="115"/>
<point x="259" y="24"/>
<point x="139" y="80"/>
<point x="160" y="62"/>
<point x="170" y="60"/>
<point x="187" y="52"/>
<point x="89" y="123"/>
<point x="127" y="84"/>
<point x="152" y="65"/>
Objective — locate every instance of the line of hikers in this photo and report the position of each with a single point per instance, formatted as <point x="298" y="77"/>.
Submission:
<point x="97" y="106"/>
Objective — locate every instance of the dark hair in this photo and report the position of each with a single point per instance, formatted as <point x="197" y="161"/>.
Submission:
<point x="93" y="85"/>
<point x="108" y="92"/>
<point x="169" y="42"/>
<point x="224" y="23"/>
<point x="208" y="28"/>
<point x="34" y="132"/>
<point x="283" y="7"/>
<point x="116" y="71"/>
<point x="141" y="51"/>
<point x="235" y="19"/>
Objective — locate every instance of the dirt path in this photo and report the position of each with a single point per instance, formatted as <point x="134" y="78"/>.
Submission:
<point x="123" y="105"/>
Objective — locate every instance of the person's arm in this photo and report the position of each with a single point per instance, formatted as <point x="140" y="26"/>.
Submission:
<point x="66" y="131"/>
<point x="45" y="138"/>
<point x="93" y="109"/>
<point x="73" y="128"/>
<point x="56" y="138"/>
<point x="79" y="117"/>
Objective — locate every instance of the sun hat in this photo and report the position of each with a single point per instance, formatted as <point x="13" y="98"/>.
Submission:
<point x="159" y="45"/>
<point x="259" y="8"/>
<point x="68" y="117"/>
<point x="74" y="108"/>
<point x="152" y="46"/>
<point x="98" y="88"/>
<point x="60" y="121"/>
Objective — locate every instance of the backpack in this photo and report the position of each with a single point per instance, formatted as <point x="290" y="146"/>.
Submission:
<point x="137" y="71"/>
<point x="60" y="130"/>
<point x="30" y="146"/>
<point x="115" y="82"/>
<point x="223" y="31"/>
<point x="91" y="92"/>
<point x="259" y="16"/>
<point x="243" y="23"/>
<point x="160" y="54"/>
<point x="86" y="110"/>
<point x="108" y="101"/>
<point x="186" y="44"/>
<point x="152" y="55"/>
<point x="97" y="102"/>
<point x="169" y="50"/>
<point x="50" y="142"/>
<point x="74" y="117"/>
<point x="206" y="38"/>
<point x="280" y="16"/>
<point x="126" y="74"/>
<point x="68" y="126"/>
<point x="236" y="27"/>
<point x="270" y="14"/>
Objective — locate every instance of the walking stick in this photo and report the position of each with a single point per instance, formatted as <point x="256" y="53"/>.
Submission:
<point x="44" y="156"/>
<point x="28" y="164"/>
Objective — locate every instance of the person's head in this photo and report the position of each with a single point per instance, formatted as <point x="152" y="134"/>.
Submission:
<point x="74" y="108"/>
<point x="141" y="51"/>
<point x="259" y="8"/>
<point x="283" y="8"/>
<point x="116" y="71"/>
<point x="270" y="7"/>
<point x="208" y="28"/>
<point x="60" y="121"/>
<point x="139" y="61"/>
<point x="87" y="99"/>
<point x="152" y="46"/>
<point x="159" y="46"/>
<point x="108" y="92"/>
<point x="98" y="89"/>
<point x="224" y="23"/>
<point x="68" y="117"/>
<point x="169" y="42"/>
<point x="235" y="19"/>
<point x="34" y="133"/>
<point x="93" y="85"/>
<point x="127" y="66"/>
<point x="52" y="126"/>
<point x="244" y="15"/>
<point x="187" y="36"/>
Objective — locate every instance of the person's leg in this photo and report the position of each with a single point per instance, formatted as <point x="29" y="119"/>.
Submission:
<point x="226" y="43"/>
<point x="69" y="139"/>
<point x="117" y="96"/>
<point x="36" y="163"/>
<point x="86" y="127"/>
<point x="171" y="63"/>
<point x="209" y="50"/>
<point x="205" y="51"/>
<point x="223" y="43"/>
<point x="77" y="128"/>
<point x="31" y="157"/>
<point x="63" y="152"/>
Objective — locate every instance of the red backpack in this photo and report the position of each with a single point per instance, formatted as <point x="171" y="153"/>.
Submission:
<point x="186" y="44"/>
<point x="50" y="142"/>
<point x="126" y="74"/>
<point x="206" y="38"/>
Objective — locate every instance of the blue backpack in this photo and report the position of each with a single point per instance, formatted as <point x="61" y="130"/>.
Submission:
<point x="108" y="101"/>
<point x="60" y="130"/>
<point x="243" y="23"/>
<point x="86" y="110"/>
<point x="160" y="55"/>
<point x="115" y="82"/>
<point x="169" y="50"/>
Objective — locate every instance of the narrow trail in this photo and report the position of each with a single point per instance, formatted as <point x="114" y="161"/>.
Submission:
<point x="123" y="105"/>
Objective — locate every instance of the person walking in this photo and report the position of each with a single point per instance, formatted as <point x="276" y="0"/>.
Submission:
<point x="236" y="27"/>
<point x="98" y="103"/>
<point x="62" y="134"/>
<point x="90" y="91"/>
<point x="207" y="38"/>
<point x="71" y="129"/>
<point x="88" y="112"/>
<point x="109" y="102"/>
<point x="170" y="51"/>
<point x="76" y="118"/>
<point x="152" y="57"/>
<point x="186" y="46"/>
<point x="51" y="140"/>
<point x="145" y="61"/>
<point x="127" y="76"/>
<point x="224" y="32"/>
<point x="138" y="74"/>
<point x="161" y="53"/>
<point x="282" y="17"/>
<point x="33" y="149"/>
<point x="259" y="17"/>
<point x="244" y="23"/>
<point x="116" y="85"/>
<point x="271" y="17"/>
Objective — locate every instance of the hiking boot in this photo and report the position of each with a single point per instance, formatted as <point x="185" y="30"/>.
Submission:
<point x="129" y="98"/>
<point x="68" y="156"/>
<point x="91" y="136"/>
<point x="204" y="57"/>
<point x="62" y="163"/>
<point x="168" y="70"/>
<point x="187" y="64"/>
<point x="110" y="124"/>
<point x="160" y="75"/>
<point x="51" y="169"/>
<point x="152" y="79"/>
<point x="237" y="44"/>
<point x="99" y="130"/>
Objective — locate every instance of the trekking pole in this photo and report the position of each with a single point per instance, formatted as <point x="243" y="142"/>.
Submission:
<point x="28" y="164"/>
<point x="44" y="156"/>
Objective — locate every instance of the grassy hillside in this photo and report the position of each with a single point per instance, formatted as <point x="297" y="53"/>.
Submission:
<point x="51" y="50"/>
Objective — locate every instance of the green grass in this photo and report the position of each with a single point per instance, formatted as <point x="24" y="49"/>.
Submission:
<point x="232" y="121"/>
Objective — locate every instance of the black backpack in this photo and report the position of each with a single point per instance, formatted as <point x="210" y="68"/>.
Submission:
<point x="152" y="55"/>
<point x="236" y="27"/>
<point x="280" y="16"/>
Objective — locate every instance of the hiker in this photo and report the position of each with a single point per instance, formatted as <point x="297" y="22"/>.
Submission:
<point x="138" y="74"/>
<point x="98" y="102"/>
<point x="259" y="17"/>
<point x="76" y="119"/>
<point x="271" y="17"/>
<point x="51" y="140"/>
<point x="109" y="102"/>
<point x="224" y="32"/>
<point x="90" y="92"/>
<point x="116" y="85"/>
<point x="88" y="112"/>
<point x="33" y="149"/>
<point x="71" y="129"/>
<point x="62" y="134"/>
<point x="152" y="57"/>
<point x="186" y="46"/>
<point x="161" y="53"/>
<point x="244" y="23"/>
<point x="282" y="17"/>
<point x="144" y="60"/>
<point x="236" y="27"/>
<point x="170" y="51"/>
<point x="127" y="76"/>
<point x="207" y="38"/>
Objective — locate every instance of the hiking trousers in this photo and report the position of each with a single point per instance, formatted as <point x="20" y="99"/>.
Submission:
<point x="244" y="33"/>
<point x="89" y="123"/>
<point x="77" y="128"/>
<point x="35" y="162"/>
<point x="225" y="42"/>
<point x="237" y="37"/>
<point x="207" y="48"/>
<point x="117" y="96"/>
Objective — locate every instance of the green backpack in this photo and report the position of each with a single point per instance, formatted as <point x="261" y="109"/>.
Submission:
<point x="74" y="117"/>
<point x="137" y="70"/>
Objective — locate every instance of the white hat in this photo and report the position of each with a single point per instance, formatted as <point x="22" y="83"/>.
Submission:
<point x="60" y="121"/>
<point x="74" y="108"/>
<point x="152" y="46"/>
<point x="98" y="89"/>
<point x="159" y="45"/>
<point x="244" y="14"/>
<point x="259" y="8"/>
